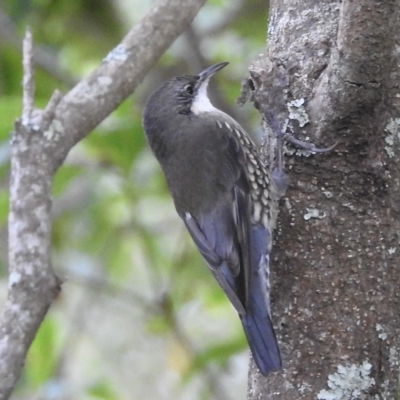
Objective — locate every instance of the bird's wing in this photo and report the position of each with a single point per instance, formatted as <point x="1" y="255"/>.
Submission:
<point x="222" y="234"/>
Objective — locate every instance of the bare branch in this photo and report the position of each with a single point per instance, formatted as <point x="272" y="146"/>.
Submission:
<point x="32" y="283"/>
<point x="48" y="113"/>
<point x="28" y="79"/>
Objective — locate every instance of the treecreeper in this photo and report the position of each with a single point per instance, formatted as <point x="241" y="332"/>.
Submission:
<point x="226" y="196"/>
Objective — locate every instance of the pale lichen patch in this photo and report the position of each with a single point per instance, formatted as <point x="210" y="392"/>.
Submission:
<point x="305" y="387"/>
<point x="104" y="80"/>
<point x="299" y="152"/>
<point x="14" y="278"/>
<point x="349" y="382"/>
<point x="327" y="193"/>
<point x="393" y="127"/>
<point x="49" y="134"/>
<point x="381" y="332"/>
<point x="118" y="53"/>
<point x="392" y="250"/>
<point x="304" y="153"/>
<point x="4" y="343"/>
<point x="314" y="213"/>
<point x="298" y="112"/>
<point x="394" y="360"/>
<point x="103" y="85"/>
<point x="36" y="188"/>
<point x="349" y="206"/>
<point x="55" y="128"/>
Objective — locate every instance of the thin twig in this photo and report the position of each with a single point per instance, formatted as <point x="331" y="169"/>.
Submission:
<point x="28" y="82"/>
<point x="50" y="109"/>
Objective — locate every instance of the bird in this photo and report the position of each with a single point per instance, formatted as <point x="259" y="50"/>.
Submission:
<point x="226" y="196"/>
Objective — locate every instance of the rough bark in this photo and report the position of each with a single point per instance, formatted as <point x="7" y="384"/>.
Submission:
<point x="40" y="143"/>
<point x="332" y="70"/>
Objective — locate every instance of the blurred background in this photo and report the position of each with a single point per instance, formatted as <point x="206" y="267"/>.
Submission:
<point x="139" y="315"/>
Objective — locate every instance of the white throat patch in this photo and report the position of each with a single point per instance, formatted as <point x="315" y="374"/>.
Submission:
<point x="201" y="102"/>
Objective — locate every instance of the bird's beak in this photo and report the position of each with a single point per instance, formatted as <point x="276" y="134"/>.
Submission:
<point x="210" y="71"/>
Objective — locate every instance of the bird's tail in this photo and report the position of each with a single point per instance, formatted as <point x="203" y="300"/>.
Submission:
<point x="260" y="334"/>
<point x="256" y="319"/>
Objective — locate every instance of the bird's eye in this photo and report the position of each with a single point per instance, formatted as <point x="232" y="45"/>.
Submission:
<point x="189" y="89"/>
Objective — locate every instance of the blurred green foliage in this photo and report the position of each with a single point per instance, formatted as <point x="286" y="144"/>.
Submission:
<point x="44" y="352"/>
<point x="139" y="314"/>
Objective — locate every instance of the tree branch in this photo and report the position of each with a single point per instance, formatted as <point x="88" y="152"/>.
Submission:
<point x="40" y="143"/>
<point x="32" y="283"/>
<point x="28" y="80"/>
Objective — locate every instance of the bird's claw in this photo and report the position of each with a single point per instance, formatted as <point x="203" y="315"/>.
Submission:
<point x="307" y="145"/>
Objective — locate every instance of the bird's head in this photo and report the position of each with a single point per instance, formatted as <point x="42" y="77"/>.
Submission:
<point x="184" y="94"/>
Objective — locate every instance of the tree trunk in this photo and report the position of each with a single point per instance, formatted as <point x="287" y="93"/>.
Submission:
<point x="331" y="69"/>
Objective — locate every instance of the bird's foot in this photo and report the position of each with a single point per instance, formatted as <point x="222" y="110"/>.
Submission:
<point x="306" y="145"/>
